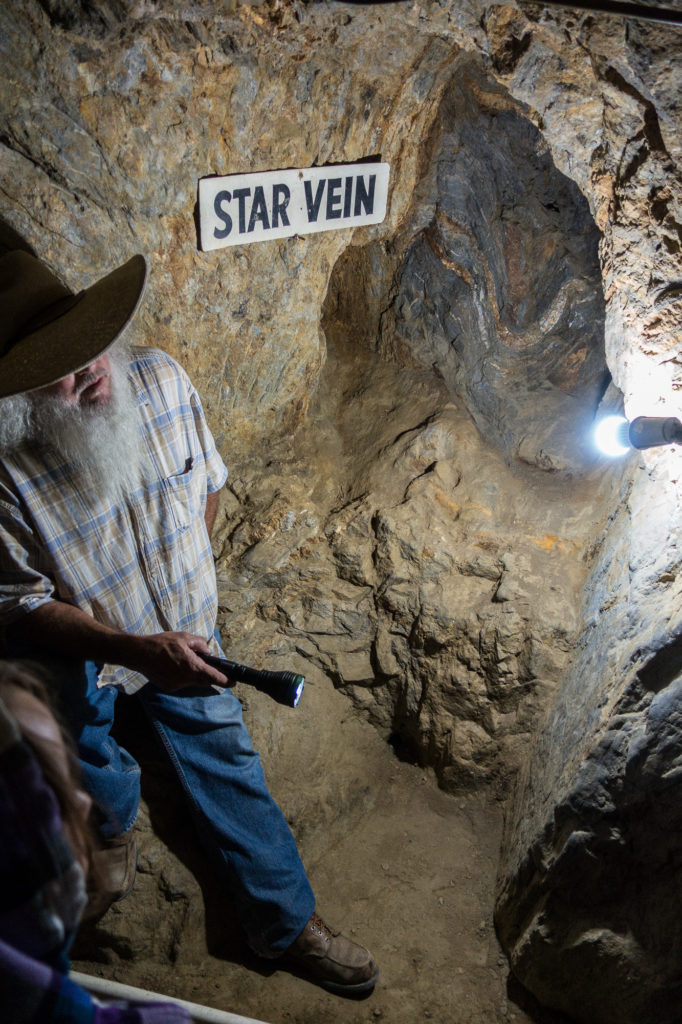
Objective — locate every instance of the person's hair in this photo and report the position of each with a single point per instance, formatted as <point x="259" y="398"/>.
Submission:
<point x="15" y="675"/>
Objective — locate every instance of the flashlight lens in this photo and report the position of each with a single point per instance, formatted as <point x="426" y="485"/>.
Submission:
<point x="611" y="436"/>
<point x="299" y="691"/>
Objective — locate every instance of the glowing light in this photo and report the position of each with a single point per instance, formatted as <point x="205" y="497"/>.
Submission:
<point x="611" y="436"/>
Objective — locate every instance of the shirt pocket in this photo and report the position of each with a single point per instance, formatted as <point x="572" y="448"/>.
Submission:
<point x="184" y="494"/>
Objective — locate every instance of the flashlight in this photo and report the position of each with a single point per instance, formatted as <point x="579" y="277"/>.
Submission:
<point x="615" y="436"/>
<point x="284" y="687"/>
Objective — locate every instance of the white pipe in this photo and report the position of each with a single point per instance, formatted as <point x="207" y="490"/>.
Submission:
<point x="115" y="990"/>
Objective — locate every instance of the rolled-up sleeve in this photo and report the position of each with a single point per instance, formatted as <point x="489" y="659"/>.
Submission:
<point x="216" y="471"/>
<point x="24" y="583"/>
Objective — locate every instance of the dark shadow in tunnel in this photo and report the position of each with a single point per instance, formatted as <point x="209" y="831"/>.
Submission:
<point x="10" y="239"/>
<point x="527" y="1002"/>
<point x="663" y="668"/>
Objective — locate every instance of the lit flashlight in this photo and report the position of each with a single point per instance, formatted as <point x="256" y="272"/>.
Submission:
<point x="614" y="436"/>
<point x="284" y="687"/>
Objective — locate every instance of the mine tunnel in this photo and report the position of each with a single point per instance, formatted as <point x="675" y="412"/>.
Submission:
<point x="481" y="773"/>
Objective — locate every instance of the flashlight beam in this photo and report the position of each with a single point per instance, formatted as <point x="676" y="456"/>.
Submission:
<point x="614" y="436"/>
<point x="611" y="436"/>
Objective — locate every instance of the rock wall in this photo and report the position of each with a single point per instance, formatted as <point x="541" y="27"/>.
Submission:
<point x="587" y="904"/>
<point x="590" y="868"/>
<point x="113" y="111"/>
<point x="413" y="505"/>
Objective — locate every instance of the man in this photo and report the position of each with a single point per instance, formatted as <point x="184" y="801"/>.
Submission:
<point x="109" y="482"/>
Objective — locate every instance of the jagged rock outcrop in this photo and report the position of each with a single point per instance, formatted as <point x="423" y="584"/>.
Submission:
<point x="590" y="876"/>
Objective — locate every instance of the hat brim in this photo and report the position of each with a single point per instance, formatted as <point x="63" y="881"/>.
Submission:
<point x="78" y="337"/>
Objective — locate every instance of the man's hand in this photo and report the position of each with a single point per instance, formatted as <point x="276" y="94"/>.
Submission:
<point x="170" y="661"/>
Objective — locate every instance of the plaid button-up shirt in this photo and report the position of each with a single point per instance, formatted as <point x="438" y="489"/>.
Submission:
<point x="143" y="565"/>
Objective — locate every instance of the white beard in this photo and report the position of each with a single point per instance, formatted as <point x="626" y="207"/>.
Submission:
<point x="102" y="443"/>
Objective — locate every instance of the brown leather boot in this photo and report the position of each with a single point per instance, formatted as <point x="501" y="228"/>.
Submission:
<point x="333" y="961"/>
<point x="113" y="870"/>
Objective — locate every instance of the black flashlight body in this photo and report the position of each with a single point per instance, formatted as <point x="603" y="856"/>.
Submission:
<point x="284" y="687"/>
<point x="651" y="431"/>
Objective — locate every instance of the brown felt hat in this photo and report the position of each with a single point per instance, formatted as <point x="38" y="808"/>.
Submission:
<point x="47" y="331"/>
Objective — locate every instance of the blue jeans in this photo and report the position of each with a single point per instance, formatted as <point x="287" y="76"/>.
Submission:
<point x="239" y="823"/>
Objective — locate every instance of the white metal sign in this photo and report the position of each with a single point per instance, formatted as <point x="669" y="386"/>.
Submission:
<point x="242" y="208"/>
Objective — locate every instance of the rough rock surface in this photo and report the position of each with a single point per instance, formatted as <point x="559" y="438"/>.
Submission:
<point x="500" y="291"/>
<point x="412" y="578"/>
<point x="414" y="513"/>
<point x="591" y="865"/>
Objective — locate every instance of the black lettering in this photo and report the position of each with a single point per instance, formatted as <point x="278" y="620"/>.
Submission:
<point x="241" y="194"/>
<point x="313" y="204"/>
<point x="362" y="196"/>
<point x="280" y="200"/>
<point x="333" y="199"/>
<point x="222" y="197"/>
<point x="347" y="196"/>
<point x="259" y="210"/>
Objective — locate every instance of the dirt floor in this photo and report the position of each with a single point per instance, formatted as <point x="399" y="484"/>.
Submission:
<point x="406" y="868"/>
